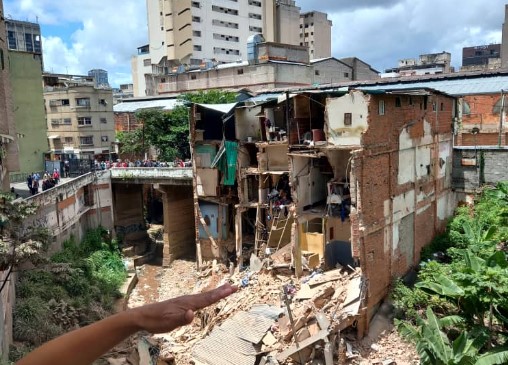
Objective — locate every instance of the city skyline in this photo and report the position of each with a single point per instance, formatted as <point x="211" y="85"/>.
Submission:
<point x="79" y="36"/>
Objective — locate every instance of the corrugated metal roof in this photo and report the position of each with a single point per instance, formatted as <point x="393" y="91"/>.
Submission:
<point x="133" y="106"/>
<point x="458" y="87"/>
<point x="237" y="340"/>
<point x="222" y="108"/>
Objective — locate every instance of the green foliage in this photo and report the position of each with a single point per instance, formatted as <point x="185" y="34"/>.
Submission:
<point x="131" y="143"/>
<point x="210" y="97"/>
<point x="18" y="243"/>
<point x="168" y="131"/>
<point x="78" y="287"/>
<point x="466" y="300"/>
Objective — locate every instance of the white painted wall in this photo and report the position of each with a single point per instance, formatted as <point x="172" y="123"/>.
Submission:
<point x="336" y="132"/>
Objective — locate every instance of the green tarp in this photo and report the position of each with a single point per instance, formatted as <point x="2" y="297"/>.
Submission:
<point x="227" y="164"/>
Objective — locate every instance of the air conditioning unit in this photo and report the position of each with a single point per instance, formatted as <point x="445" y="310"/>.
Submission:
<point x="197" y="116"/>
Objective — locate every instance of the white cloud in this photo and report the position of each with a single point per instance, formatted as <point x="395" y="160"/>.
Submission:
<point x="106" y="33"/>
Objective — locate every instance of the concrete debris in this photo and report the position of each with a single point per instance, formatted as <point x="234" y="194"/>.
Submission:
<point x="255" y="321"/>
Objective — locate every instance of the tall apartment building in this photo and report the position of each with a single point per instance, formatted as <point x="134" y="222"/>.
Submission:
<point x="79" y="117"/>
<point x="26" y="67"/>
<point x="316" y="33"/>
<point x="8" y="138"/>
<point x="194" y="32"/>
<point x="100" y="76"/>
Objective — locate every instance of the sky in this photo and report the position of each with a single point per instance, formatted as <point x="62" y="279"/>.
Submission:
<point x="79" y="35"/>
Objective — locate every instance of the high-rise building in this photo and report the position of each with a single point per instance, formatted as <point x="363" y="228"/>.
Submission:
<point x="316" y="33"/>
<point x="9" y="160"/>
<point x="504" y="41"/>
<point x="26" y="66"/>
<point x="100" y="76"/>
<point x="185" y="32"/>
<point x="23" y="36"/>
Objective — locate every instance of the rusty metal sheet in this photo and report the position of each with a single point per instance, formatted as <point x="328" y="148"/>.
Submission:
<point x="248" y="326"/>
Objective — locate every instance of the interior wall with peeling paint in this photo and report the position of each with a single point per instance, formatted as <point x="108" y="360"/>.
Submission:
<point x="336" y="131"/>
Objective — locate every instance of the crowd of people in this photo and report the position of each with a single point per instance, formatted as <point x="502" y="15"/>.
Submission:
<point x="104" y="165"/>
<point x="49" y="180"/>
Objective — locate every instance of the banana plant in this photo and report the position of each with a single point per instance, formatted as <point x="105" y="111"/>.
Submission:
<point x="435" y="348"/>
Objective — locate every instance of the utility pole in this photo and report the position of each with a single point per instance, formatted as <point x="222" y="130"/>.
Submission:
<point x="501" y="113"/>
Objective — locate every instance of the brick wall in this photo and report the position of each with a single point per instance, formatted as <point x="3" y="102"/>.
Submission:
<point x="126" y="122"/>
<point x="395" y="220"/>
<point x="481" y="114"/>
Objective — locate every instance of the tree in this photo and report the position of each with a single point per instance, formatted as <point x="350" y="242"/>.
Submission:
<point x="131" y="143"/>
<point x="17" y="242"/>
<point x="168" y="131"/>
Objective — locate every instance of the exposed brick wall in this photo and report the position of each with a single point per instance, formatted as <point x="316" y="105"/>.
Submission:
<point x="390" y="241"/>
<point x="481" y="115"/>
<point x="125" y="122"/>
<point x="480" y="139"/>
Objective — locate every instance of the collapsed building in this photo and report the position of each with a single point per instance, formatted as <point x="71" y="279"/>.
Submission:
<point x="325" y="178"/>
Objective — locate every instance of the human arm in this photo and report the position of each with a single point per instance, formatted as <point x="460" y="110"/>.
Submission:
<point x="86" y="344"/>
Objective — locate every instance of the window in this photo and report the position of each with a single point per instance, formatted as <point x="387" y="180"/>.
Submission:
<point x="197" y="47"/>
<point x="12" y="40"/>
<point x="193" y="77"/>
<point x="434" y="106"/>
<point x="316" y="72"/>
<point x="346" y="74"/>
<point x="255" y="16"/>
<point x="255" y="3"/>
<point x="147" y="62"/>
<point x="82" y="121"/>
<point x="348" y="119"/>
<point x="29" y="42"/>
<point x="84" y="102"/>
<point x="381" y="107"/>
<point x="195" y="4"/>
<point x="255" y="29"/>
<point x="222" y="23"/>
<point x="397" y="102"/>
<point x="55" y="121"/>
<point x="86" y="140"/>
<point x="239" y="71"/>
<point x="196" y="33"/>
<point x="103" y="102"/>
<point x="442" y="107"/>
<point x="103" y="120"/>
<point x="104" y="138"/>
<point x="220" y="9"/>
<point x="67" y="121"/>
<point x="69" y="140"/>
<point x="196" y="19"/>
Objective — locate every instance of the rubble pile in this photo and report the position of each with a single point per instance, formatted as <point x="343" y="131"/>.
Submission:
<point x="272" y="319"/>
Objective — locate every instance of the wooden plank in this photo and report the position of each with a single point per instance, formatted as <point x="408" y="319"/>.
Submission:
<point x="332" y="275"/>
<point x="307" y="342"/>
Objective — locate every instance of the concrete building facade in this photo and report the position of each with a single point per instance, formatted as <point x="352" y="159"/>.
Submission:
<point x="504" y="40"/>
<point x="29" y="113"/>
<point x="186" y="32"/>
<point x="316" y="33"/>
<point x="79" y="117"/>
<point x="24" y="36"/>
<point x="484" y="55"/>
<point x="274" y="66"/>
<point x="426" y="64"/>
